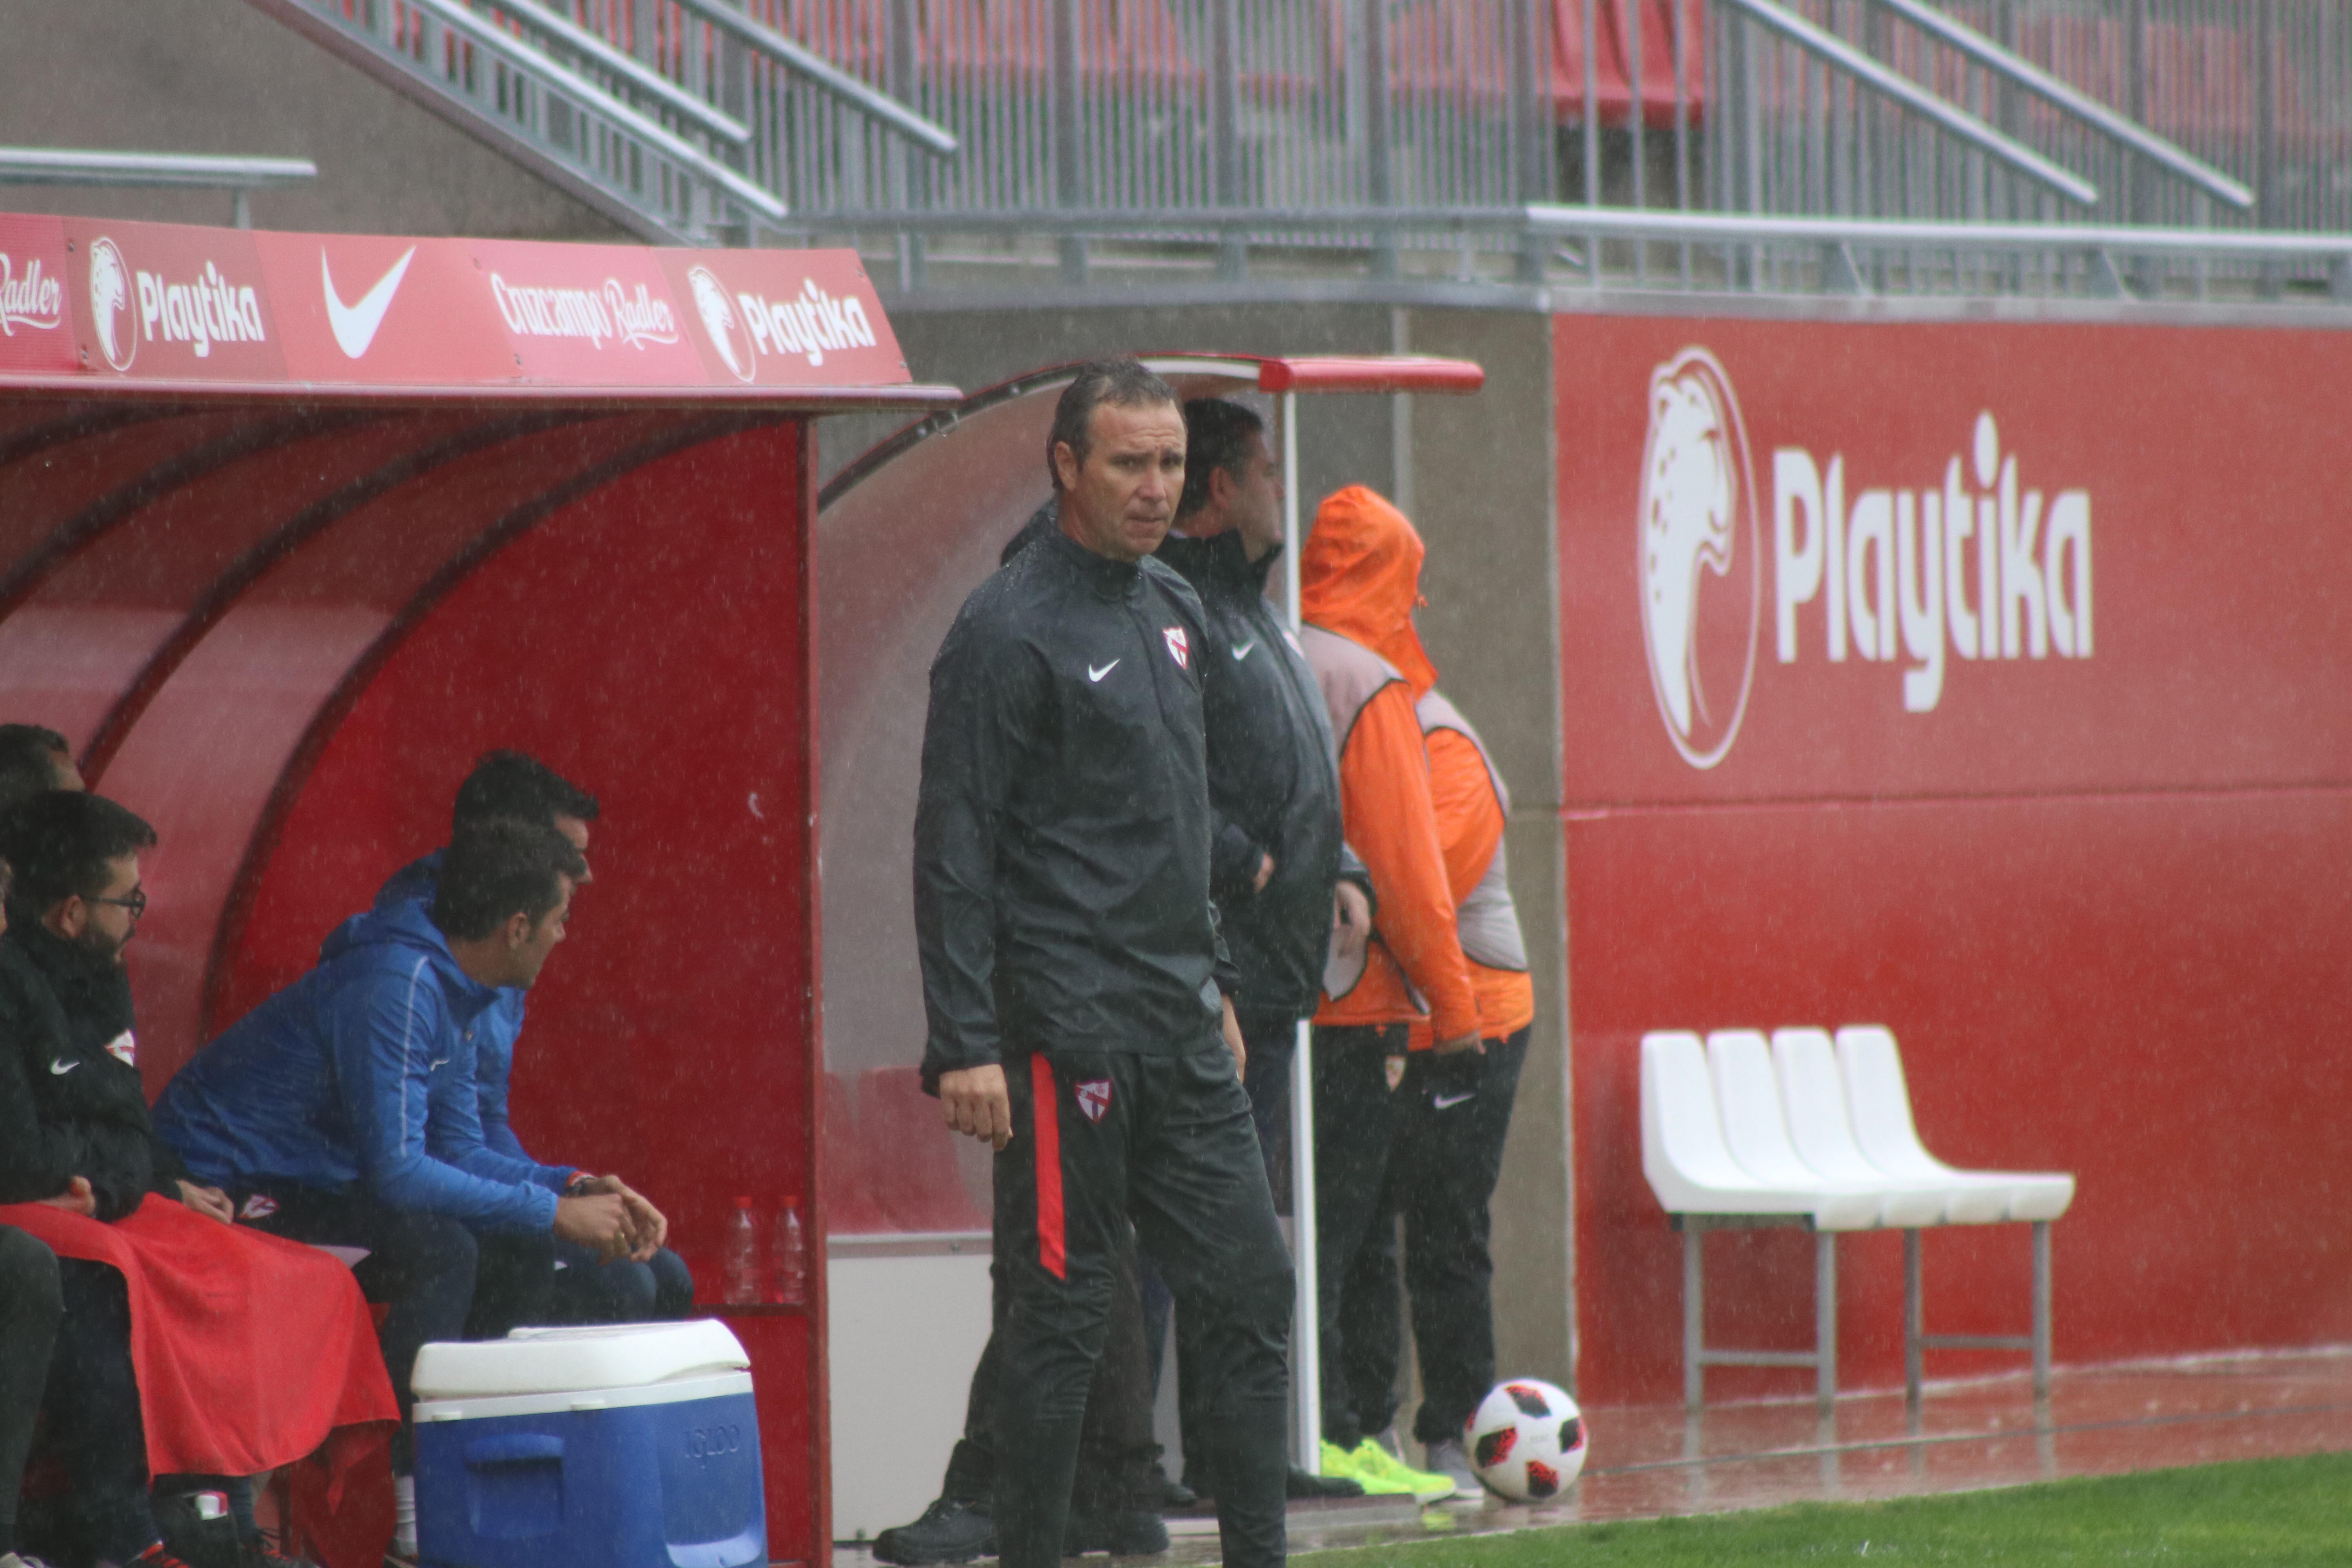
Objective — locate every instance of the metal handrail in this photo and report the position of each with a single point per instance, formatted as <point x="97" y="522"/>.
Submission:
<point x="926" y="133"/>
<point x="2122" y="128"/>
<point x="538" y="19"/>
<point x="77" y="166"/>
<point x="549" y="72"/>
<point x="1631" y="224"/>
<point x="1634" y="224"/>
<point x="240" y="176"/>
<point x="1919" y="100"/>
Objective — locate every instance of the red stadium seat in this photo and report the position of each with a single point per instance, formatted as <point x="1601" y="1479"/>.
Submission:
<point x="1613" y="69"/>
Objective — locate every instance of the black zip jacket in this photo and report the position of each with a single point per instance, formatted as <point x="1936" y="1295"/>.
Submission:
<point x="1061" y="827"/>
<point x="60" y="1012"/>
<point x="1273" y="786"/>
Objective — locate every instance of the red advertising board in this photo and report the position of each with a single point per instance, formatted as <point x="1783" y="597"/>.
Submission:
<point x="1982" y="680"/>
<point x="170" y="304"/>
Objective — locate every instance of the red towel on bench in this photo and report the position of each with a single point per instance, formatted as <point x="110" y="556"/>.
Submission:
<point x="250" y="1351"/>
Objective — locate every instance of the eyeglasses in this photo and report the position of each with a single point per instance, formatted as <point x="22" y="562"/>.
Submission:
<point x="136" y="903"/>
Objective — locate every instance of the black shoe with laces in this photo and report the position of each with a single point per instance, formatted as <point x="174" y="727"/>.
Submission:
<point x="1303" y="1484"/>
<point x="1122" y="1532"/>
<point x="950" y="1531"/>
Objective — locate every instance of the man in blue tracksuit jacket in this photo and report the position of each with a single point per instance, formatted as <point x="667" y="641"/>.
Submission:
<point x="507" y="1291"/>
<point x="342" y="1112"/>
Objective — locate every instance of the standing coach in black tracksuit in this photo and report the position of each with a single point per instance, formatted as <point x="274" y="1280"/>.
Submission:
<point x="1276" y="862"/>
<point x="1071" y="971"/>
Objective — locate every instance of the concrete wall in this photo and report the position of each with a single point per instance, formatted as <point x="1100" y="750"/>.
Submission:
<point x="1475" y="475"/>
<point x="215" y="76"/>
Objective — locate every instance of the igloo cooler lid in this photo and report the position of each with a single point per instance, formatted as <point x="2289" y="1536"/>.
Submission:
<point x="567" y="1361"/>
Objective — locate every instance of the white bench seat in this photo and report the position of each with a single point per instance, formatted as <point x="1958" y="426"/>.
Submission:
<point x="1739" y="1132"/>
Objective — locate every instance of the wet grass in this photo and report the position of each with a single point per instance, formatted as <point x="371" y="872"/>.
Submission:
<point x="2279" y="1512"/>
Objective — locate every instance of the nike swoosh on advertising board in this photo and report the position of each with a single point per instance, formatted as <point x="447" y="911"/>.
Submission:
<point x="355" y="325"/>
<point x="1094" y="674"/>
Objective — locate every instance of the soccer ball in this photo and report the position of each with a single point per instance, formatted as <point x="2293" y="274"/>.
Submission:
<point x="1525" y="1440"/>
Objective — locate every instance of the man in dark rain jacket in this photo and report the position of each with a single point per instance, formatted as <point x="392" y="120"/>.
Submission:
<point x="1277" y="859"/>
<point x="1071" y="970"/>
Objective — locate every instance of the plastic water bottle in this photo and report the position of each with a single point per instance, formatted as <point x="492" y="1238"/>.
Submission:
<point x="788" y="1259"/>
<point x="738" y="1256"/>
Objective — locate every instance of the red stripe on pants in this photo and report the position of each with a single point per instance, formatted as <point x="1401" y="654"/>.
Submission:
<point x="1045" y="1113"/>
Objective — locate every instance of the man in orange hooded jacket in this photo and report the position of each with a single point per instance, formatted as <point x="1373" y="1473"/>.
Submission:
<point x="1447" y="1150"/>
<point x="1359" y="583"/>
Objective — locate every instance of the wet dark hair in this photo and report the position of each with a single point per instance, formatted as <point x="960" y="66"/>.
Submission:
<point x="1122" y="382"/>
<point x="59" y="844"/>
<point x="1216" y="434"/>
<point x="508" y="784"/>
<point x="499" y="868"/>
<point x="29" y="755"/>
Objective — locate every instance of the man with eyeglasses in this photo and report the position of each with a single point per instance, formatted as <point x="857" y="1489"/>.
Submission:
<point x="148" y="1374"/>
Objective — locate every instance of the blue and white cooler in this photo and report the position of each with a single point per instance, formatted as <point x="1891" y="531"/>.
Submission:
<point x="634" y="1445"/>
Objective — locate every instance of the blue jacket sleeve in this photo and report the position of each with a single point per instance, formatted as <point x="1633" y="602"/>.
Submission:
<point x="452" y="1136"/>
<point x="494" y="1048"/>
<point x="397" y="1053"/>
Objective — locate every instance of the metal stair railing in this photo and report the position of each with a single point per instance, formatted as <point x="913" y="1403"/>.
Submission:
<point x="674" y="161"/>
<point x="2121" y="129"/>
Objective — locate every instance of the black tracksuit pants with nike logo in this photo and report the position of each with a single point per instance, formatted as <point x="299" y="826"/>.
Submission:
<point x="1097" y="1137"/>
<point x="1446" y="1120"/>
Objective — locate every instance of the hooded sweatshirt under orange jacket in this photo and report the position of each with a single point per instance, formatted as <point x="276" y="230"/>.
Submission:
<point x="1360" y="579"/>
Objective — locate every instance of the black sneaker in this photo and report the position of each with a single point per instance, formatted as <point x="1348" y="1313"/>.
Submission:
<point x="1304" y="1484"/>
<point x="254" y="1551"/>
<point x="950" y="1531"/>
<point x="1122" y="1532"/>
<point x="1175" y="1496"/>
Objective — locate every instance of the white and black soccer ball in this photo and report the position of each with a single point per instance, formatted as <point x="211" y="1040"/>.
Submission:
<point x="1525" y="1440"/>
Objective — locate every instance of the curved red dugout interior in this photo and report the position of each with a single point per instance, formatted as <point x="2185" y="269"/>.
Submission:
<point x="280" y="618"/>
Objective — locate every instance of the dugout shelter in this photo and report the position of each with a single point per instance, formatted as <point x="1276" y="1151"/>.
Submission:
<point x="293" y="527"/>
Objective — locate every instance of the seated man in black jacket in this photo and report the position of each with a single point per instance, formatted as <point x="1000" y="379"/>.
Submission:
<point x="79" y="1125"/>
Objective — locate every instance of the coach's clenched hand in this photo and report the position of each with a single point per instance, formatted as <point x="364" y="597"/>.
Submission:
<point x="975" y="1102"/>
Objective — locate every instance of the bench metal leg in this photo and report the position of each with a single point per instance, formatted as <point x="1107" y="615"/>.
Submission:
<point x="1697" y="1358"/>
<point x="1693" y="1321"/>
<point x="2041" y="1308"/>
<point x="1918" y="1342"/>
<point x="1915" y="1354"/>
<point x="1825" y="1318"/>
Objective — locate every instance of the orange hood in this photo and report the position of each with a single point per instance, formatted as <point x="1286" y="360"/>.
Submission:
<point x="1359" y="575"/>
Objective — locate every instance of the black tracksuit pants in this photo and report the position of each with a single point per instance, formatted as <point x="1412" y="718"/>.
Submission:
<point x="1169" y="1139"/>
<point x="421" y="1265"/>
<point x="1445" y="1159"/>
<point x="95" y="1426"/>
<point x="1272" y="1042"/>
<point x="1356" y="1113"/>
<point x="29" y="1310"/>
<point x="1115" y="1445"/>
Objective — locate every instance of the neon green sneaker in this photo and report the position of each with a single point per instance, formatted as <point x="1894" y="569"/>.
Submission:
<point x="1381" y="1473"/>
<point x="1342" y="1463"/>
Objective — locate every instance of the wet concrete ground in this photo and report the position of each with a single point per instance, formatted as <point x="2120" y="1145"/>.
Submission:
<point x="1651" y="1460"/>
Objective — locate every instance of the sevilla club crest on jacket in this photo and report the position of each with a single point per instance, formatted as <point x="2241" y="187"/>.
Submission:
<point x="1179" y="649"/>
<point x="1094" y="1097"/>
